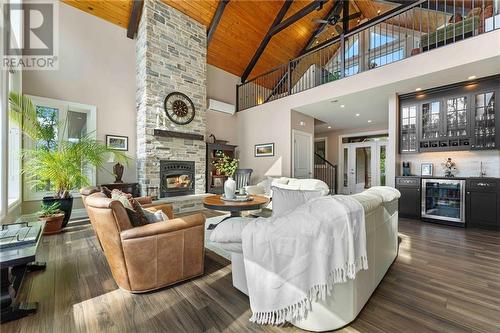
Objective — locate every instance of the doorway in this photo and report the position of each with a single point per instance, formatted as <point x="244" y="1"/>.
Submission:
<point x="302" y="154"/>
<point x="364" y="165"/>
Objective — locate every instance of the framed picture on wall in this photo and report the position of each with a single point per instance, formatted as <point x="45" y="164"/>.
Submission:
<point x="264" y="149"/>
<point x="117" y="142"/>
<point x="427" y="169"/>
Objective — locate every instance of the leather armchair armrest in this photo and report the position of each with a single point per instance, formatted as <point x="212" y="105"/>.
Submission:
<point x="144" y="200"/>
<point x="166" y="208"/>
<point x="164" y="227"/>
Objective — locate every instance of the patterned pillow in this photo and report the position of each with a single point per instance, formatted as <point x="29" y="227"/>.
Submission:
<point x="133" y="208"/>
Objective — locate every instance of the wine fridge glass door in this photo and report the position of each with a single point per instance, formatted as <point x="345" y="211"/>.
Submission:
<point x="443" y="199"/>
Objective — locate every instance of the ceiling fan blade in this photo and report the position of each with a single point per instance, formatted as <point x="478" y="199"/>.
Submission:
<point x="320" y="33"/>
<point x="321" y="21"/>
<point x="338" y="28"/>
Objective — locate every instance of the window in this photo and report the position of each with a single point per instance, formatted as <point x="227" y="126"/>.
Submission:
<point x="14" y="145"/>
<point x="379" y="39"/>
<point x="60" y="120"/>
<point x="387" y="58"/>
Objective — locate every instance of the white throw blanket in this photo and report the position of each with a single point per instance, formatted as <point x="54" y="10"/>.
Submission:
<point x="295" y="259"/>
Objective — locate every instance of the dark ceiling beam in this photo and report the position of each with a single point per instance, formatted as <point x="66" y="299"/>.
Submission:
<point x="316" y="4"/>
<point x="345" y="16"/>
<point x="335" y="10"/>
<point x="216" y="19"/>
<point x="135" y="16"/>
<point x="266" y="40"/>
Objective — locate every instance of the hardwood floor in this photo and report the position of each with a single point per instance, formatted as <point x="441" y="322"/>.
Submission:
<point x="445" y="279"/>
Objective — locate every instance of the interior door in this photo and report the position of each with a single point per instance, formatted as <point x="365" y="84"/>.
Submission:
<point x="364" y="165"/>
<point x="302" y="154"/>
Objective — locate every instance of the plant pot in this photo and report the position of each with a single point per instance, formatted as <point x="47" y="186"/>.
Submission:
<point x="66" y="205"/>
<point x="53" y="223"/>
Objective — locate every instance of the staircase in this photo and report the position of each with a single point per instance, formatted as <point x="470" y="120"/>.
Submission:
<point x="326" y="172"/>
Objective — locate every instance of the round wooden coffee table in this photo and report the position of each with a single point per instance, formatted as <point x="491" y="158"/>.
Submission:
<point x="215" y="202"/>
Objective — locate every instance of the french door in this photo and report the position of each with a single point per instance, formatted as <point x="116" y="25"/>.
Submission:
<point x="363" y="166"/>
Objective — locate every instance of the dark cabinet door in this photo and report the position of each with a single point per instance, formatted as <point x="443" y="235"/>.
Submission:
<point x="409" y="203"/>
<point x="482" y="202"/>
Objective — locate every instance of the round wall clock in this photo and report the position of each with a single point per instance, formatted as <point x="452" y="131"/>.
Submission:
<point x="179" y="108"/>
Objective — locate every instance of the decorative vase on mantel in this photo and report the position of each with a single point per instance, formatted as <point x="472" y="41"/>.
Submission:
<point x="230" y="188"/>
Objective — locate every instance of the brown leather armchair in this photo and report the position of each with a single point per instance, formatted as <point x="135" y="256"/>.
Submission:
<point x="152" y="256"/>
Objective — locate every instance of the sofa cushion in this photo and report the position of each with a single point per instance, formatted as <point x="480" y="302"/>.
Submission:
<point x="285" y="200"/>
<point x="386" y="193"/>
<point x="310" y="185"/>
<point x="369" y="201"/>
<point x="229" y="231"/>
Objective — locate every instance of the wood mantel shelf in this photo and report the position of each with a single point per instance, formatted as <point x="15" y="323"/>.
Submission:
<point x="171" y="134"/>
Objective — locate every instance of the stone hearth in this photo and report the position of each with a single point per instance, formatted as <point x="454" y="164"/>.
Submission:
<point x="171" y="57"/>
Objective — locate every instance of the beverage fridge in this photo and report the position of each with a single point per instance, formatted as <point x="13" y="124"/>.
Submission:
<point x="443" y="200"/>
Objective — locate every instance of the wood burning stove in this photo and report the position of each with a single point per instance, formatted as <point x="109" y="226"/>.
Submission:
<point x="176" y="178"/>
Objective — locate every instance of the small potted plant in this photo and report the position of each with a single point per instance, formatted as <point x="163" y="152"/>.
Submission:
<point x="228" y="166"/>
<point x="53" y="217"/>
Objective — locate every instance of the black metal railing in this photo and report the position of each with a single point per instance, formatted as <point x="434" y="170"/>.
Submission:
<point x="326" y="172"/>
<point x="405" y="31"/>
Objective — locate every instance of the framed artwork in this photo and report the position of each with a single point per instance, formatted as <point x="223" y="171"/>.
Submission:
<point x="117" y="142"/>
<point x="264" y="149"/>
<point x="426" y="169"/>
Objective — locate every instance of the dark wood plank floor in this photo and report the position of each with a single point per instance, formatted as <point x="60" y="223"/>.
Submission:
<point x="445" y="280"/>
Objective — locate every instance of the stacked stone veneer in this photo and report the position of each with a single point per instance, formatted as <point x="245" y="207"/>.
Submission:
<point x="171" y="56"/>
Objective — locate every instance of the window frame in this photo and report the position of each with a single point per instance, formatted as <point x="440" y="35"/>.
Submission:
<point x="63" y="106"/>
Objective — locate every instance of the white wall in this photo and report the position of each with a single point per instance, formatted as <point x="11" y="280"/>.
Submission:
<point x="269" y="125"/>
<point x="97" y="67"/>
<point x="221" y="86"/>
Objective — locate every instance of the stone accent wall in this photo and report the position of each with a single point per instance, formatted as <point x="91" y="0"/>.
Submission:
<point x="171" y="56"/>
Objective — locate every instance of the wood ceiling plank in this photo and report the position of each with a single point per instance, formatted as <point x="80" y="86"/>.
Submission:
<point x="116" y="12"/>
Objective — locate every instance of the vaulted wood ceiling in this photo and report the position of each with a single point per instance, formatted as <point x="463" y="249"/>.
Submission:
<point x="243" y="25"/>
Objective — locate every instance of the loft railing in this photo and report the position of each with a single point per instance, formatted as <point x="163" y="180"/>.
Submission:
<point x="398" y="34"/>
<point x="325" y="171"/>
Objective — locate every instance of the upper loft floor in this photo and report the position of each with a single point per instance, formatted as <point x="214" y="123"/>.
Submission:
<point x="412" y="29"/>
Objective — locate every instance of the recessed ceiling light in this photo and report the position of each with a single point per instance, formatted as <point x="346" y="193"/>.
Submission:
<point x="357" y="114"/>
<point x="378" y="12"/>
<point x="342" y="105"/>
<point x="369" y="121"/>
<point x="418" y="89"/>
<point x="472" y="77"/>
<point x="329" y="127"/>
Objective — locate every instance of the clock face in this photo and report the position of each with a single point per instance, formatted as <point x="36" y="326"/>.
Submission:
<point x="179" y="108"/>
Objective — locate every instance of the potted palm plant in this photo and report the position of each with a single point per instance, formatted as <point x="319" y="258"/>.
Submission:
<point x="53" y="217"/>
<point x="52" y="163"/>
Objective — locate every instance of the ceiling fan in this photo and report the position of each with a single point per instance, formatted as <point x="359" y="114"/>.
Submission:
<point x="334" y="20"/>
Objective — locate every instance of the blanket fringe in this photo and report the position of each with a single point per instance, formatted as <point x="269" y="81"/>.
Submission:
<point x="319" y="292"/>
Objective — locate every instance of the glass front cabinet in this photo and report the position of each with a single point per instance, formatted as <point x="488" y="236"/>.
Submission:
<point x="458" y="117"/>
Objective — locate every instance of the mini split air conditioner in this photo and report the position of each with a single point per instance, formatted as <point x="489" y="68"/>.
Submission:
<point x="219" y="106"/>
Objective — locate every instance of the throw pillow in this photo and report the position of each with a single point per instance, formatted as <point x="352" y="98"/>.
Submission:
<point x="286" y="200"/>
<point x="456" y="18"/>
<point x="132" y="207"/>
<point x="156" y="216"/>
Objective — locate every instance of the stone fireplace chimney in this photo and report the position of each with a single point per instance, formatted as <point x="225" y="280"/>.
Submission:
<point x="170" y="57"/>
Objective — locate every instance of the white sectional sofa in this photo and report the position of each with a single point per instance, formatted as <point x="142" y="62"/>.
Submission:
<point x="264" y="187"/>
<point x="342" y="307"/>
